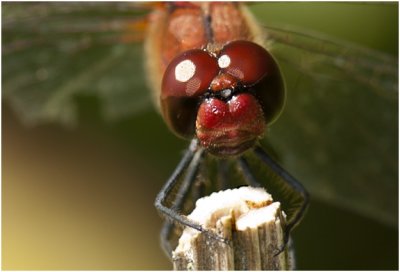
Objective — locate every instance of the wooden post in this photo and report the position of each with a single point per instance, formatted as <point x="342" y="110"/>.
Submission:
<point x="250" y="222"/>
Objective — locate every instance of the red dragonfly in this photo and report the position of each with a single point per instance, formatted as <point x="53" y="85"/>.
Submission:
<point x="338" y="132"/>
<point x="217" y="85"/>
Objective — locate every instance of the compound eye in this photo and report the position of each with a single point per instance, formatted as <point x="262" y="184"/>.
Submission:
<point x="247" y="61"/>
<point x="257" y="70"/>
<point x="189" y="74"/>
<point x="186" y="78"/>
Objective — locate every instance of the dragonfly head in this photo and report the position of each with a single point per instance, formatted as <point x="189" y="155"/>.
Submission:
<point x="226" y="100"/>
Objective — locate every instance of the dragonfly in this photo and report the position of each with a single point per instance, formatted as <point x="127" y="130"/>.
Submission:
<point x="337" y="133"/>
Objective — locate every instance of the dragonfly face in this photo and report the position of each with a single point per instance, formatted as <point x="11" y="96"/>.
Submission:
<point x="223" y="98"/>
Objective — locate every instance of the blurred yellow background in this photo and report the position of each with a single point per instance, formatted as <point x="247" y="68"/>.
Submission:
<point x="72" y="200"/>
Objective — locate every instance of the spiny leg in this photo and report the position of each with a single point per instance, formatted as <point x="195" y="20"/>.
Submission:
<point x="223" y="173"/>
<point x="246" y="171"/>
<point x="190" y="177"/>
<point x="169" y="226"/>
<point x="285" y="179"/>
<point x="167" y="229"/>
<point x="199" y="190"/>
<point x="290" y="180"/>
<point x="188" y="166"/>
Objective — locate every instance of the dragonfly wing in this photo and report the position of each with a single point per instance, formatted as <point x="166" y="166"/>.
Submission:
<point x="55" y="52"/>
<point x="339" y="130"/>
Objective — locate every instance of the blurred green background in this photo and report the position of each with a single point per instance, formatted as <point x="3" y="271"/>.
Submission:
<point x="82" y="197"/>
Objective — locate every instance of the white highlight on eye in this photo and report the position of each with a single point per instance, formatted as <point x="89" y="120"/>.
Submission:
<point x="224" y="61"/>
<point x="185" y="70"/>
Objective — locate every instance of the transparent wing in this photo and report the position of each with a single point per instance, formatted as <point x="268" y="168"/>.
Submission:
<point x="339" y="130"/>
<point x="338" y="133"/>
<point x="55" y="52"/>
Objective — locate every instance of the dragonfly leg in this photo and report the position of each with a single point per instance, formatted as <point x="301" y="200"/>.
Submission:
<point x="188" y="167"/>
<point x="246" y="171"/>
<point x="295" y="187"/>
<point x="169" y="227"/>
<point x="165" y="234"/>
<point x="223" y="175"/>
<point x="187" y="182"/>
<point x="199" y="190"/>
<point x="169" y="207"/>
